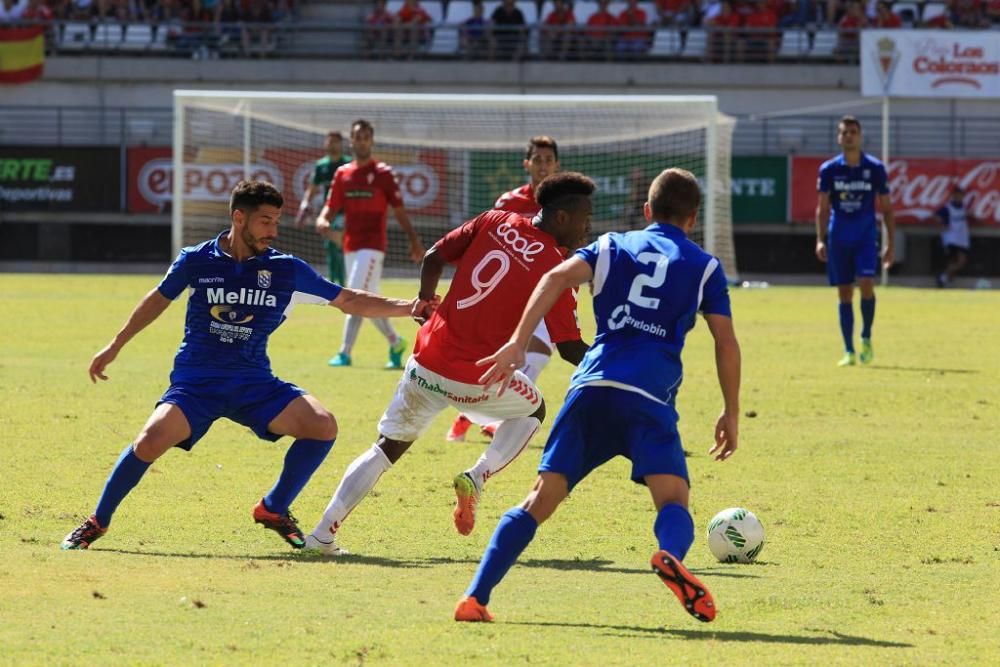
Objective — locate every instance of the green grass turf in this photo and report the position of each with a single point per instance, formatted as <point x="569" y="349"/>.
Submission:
<point x="878" y="488"/>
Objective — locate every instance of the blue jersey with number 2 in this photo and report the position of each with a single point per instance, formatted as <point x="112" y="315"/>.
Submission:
<point x="649" y="286"/>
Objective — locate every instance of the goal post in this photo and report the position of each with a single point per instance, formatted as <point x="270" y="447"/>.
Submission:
<point x="452" y="154"/>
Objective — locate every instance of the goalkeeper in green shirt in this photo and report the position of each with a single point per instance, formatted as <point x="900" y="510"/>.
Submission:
<point x="322" y="176"/>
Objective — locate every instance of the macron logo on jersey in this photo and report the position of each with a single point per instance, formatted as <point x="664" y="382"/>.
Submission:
<point x="518" y="243"/>
<point x="248" y="297"/>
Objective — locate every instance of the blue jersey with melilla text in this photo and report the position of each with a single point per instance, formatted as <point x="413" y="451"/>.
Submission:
<point x="234" y="307"/>
<point x="649" y="286"/>
<point x="853" y="194"/>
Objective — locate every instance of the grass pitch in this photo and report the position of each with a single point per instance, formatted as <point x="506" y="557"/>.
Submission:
<point x="877" y="487"/>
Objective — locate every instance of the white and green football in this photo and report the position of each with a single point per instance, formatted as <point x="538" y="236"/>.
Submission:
<point x="735" y="535"/>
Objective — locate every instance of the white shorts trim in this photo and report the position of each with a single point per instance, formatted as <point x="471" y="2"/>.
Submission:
<point x="422" y="394"/>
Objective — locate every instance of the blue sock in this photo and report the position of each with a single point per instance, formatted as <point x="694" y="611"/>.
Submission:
<point x="674" y="529"/>
<point x="513" y="534"/>
<point x="867" y="316"/>
<point x="847" y="325"/>
<point x="128" y="470"/>
<point x="301" y="461"/>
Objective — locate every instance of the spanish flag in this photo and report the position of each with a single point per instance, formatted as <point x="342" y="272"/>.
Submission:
<point x="22" y="54"/>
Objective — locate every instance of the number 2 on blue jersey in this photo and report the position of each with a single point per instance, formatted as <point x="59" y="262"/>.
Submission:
<point x="642" y="281"/>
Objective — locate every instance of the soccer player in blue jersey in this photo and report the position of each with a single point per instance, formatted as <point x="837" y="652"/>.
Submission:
<point x="649" y="286"/>
<point x="241" y="289"/>
<point x="851" y="186"/>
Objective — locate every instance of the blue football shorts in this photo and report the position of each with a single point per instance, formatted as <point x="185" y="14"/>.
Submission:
<point x="252" y="403"/>
<point x="597" y="423"/>
<point x="846" y="262"/>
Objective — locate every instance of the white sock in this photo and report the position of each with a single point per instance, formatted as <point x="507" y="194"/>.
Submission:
<point x="510" y="440"/>
<point x="534" y="364"/>
<point x="359" y="478"/>
<point x="352" y="325"/>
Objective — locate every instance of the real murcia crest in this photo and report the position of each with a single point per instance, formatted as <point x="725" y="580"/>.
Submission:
<point x="887" y="58"/>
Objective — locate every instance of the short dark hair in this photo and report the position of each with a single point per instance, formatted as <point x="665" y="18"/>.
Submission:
<point x="674" y="195"/>
<point x="335" y="133"/>
<point x="564" y="190"/>
<point x="541" y="141"/>
<point x="362" y="124"/>
<point x="850" y="120"/>
<point x="249" y="195"/>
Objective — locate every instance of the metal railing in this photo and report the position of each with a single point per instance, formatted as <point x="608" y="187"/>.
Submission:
<point x="928" y="136"/>
<point x="352" y="40"/>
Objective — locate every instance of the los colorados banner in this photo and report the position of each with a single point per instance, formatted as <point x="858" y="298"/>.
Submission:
<point x="930" y="63"/>
<point x="919" y="187"/>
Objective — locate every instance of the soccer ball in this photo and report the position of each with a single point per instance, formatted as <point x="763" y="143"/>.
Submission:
<point x="735" y="535"/>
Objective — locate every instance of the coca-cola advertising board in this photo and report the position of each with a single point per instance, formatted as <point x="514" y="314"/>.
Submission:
<point x="918" y="186"/>
<point x="211" y="174"/>
<point x="930" y="63"/>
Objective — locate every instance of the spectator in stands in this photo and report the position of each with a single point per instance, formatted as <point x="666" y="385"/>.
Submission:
<point x="509" y="31"/>
<point x="37" y="10"/>
<point x="11" y="11"/>
<point x="942" y="21"/>
<point x="680" y="14"/>
<point x="968" y="14"/>
<point x="378" y="27"/>
<point x="226" y="22"/>
<point x="759" y="44"/>
<point x="599" y="38"/>
<point x="557" y="34"/>
<point x="849" y="31"/>
<point x="634" y="42"/>
<point x="835" y="10"/>
<point x="884" y="18"/>
<point x="255" y="28"/>
<point x="722" y="33"/>
<point x="412" y="28"/>
<point x="992" y="12"/>
<point x="473" y="35"/>
<point x="797" y="13"/>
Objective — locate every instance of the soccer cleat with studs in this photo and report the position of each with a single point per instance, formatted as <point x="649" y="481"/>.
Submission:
<point x="314" y="544"/>
<point x="282" y="524"/>
<point x="466" y="499"/>
<point x="692" y="593"/>
<point x="867" y="351"/>
<point x="396" y="355"/>
<point x="84" y="535"/>
<point x="458" y="429"/>
<point x="469" y="610"/>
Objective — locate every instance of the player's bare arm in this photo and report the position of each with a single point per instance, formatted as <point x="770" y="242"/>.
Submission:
<point x="502" y="364"/>
<point x="416" y="247"/>
<point x="323" y="223"/>
<point x="366" y="304"/>
<point x="728" y="366"/>
<point x="889" y="220"/>
<point x="430" y="274"/>
<point x="822" y="219"/>
<point x="149" y="308"/>
<point x="304" y="207"/>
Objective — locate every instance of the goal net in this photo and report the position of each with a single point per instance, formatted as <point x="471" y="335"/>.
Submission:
<point x="452" y="154"/>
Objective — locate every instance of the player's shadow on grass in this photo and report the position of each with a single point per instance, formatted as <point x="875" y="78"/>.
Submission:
<point x="926" y="369"/>
<point x="829" y="638"/>
<point x="593" y="565"/>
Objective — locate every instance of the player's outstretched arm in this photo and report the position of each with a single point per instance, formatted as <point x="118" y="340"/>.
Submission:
<point x="151" y="307"/>
<point x="502" y="364"/>
<point x="366" y="304"/>
<point x="323" y="221"/>
<point x="417" y="250"/>
<point x="304" y="207"/>
<point x="728" y="366"/>
<point x="822" y="218"/>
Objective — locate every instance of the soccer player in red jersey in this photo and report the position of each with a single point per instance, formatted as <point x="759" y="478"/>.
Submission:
<point x="540" y="160"/>
<point x="365" y="189"/>
<point x="500" y="258"/>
